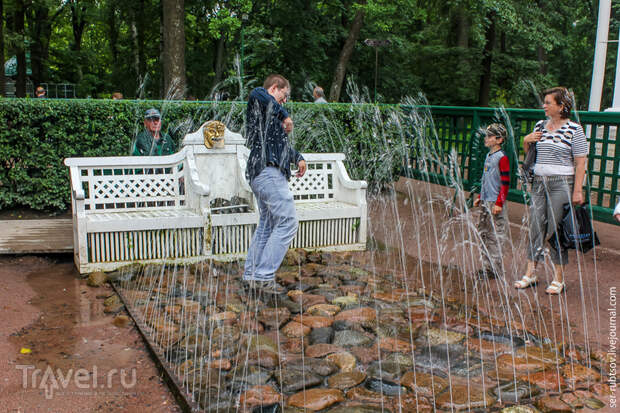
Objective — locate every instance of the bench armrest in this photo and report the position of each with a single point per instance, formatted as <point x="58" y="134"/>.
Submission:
<point x="194" y="180"/>
<point x="76" y="188"/>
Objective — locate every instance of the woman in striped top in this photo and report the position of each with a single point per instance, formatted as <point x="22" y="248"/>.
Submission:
<point x="561" y="152"/>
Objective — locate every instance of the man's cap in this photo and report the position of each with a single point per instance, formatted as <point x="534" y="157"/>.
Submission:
<point x="152" y="113"/>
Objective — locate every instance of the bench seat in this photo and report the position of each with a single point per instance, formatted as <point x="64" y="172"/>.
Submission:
<point x="143" y="219"/>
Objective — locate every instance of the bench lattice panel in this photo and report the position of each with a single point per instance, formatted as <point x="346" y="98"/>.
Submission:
<point x="316" y="184"/>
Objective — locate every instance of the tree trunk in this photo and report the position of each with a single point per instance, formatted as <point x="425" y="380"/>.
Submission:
<point x="345" y="56"/>
<point x="113" y="32"/>
<point x="134" y="50"/>
<point x="220" y="49"/>
<point x="462" y="28"/>
<point x="485" y="78"/>
<point x="2" y="77"/>
<point x="174" y="49"/>
<point x="78" y="23"/>
<point x="20" y="84"/>
<point x="40" y="41"/>
<point x="542" y="60"/>
<point x="141" y="28"/>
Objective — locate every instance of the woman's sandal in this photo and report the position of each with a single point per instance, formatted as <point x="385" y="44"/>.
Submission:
<point x="555" y="288"/>
<point x="525" y="282"/>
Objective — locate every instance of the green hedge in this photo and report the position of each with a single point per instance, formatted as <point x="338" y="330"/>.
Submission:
<point x="38" y="135"/>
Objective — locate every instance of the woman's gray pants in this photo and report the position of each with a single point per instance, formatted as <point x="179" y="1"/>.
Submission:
<point x="549" y="194"/>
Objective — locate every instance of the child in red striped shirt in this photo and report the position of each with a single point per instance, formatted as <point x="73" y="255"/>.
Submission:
<point x="493" y="221"/>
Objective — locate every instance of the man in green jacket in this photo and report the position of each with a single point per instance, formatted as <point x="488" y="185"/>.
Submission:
<point x="151" y="141"/>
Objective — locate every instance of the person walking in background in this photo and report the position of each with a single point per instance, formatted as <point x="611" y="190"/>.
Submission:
<point x="561" y="152"/>
<point x="319" y="95"/>
<point x="268" y="170"/>
<point x="40" y="92"/>
<point x="493" y="221"/>
<point x="152" y="141"/>
<point x="617" y="212"/>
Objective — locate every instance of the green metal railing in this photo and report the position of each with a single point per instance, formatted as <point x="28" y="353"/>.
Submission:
<point x="458" y="133"/>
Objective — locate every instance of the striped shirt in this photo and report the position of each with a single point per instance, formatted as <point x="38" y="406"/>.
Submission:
<point x="556" y="151"/>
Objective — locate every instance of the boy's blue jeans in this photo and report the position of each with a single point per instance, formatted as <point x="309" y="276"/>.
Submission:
<point x="277" y="225"/>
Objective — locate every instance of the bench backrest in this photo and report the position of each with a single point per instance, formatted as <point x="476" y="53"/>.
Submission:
<point x="318" y="182"/>
<point x="130" y="183"/>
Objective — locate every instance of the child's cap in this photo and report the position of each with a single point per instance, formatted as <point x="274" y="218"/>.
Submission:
<point x="496" y="129"/>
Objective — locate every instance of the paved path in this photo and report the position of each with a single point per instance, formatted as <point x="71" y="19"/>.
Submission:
<point x="36" y="236"/>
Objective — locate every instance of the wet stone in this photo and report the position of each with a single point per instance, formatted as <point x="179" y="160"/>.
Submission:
<point x="346" y="301"/>
<point x="316" y="399"/>
<point x="274" y="317"/>
<point x="463" y="397"/>
<point x="314" y="321"/>
<point x="252" y="375"/>
<point x="351" y="338"/>
<point x="576" y="373"/>
<point x="323" y="310"/>
<point x="357" y="409"/>
<point x="385" y="371"/>
<point x="395" y="345"/>
<point x="424" y="384"/>
<point x="346" y="380"/>
<point x="434" y="337"/>
<point x="322" y="367"/>
<point x="519" y="365"/>
<point x="553" y="404"/>
<point x="549" y="380"/>
<point x="358" y="315"/>
<point x="96" y="279"/>
<point x="514" y="392"/>
<point x="520" y="409"/>
<point x="442" y="358"/>
<point x="260" y="342"/>
<point x="506" y="340"/>
<point x="345" y="325"/>
<point x="290" y="305"/>
<point x="259" y="396"/>
<point x="365" y="396"/>
<point x="365" y="355"/>
<point x="343" y="360"/>
<point x="404" y="360"/>
<point x="323" y="335"/>
<point x="264" y="358"/>
<point x="385" y="387"/>
<point x="321" y="350"/>
<point x="291" y="380"/>
<point x="295" y="330"/>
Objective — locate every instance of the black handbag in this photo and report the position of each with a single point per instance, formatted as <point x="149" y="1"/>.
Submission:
<point x="527" y="169"/>
<point x="575" y="230"/>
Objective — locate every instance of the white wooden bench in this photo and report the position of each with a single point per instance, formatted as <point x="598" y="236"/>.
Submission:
<point x="157" y="209"/>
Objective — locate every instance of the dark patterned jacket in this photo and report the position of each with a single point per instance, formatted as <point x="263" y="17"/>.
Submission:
<point x="265" y="136"/>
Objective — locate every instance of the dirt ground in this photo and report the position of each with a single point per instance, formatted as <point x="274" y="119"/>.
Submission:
<point x="48" y="310"/>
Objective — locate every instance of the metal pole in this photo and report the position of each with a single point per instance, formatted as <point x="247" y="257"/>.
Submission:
<point x="600" y="52"/>
<point x="616" y="101"/>
<point x="241" y="64"/>
<point x="376" y="66"/>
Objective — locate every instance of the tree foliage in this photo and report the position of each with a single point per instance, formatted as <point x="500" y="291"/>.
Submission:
<point x="437" y="47"/>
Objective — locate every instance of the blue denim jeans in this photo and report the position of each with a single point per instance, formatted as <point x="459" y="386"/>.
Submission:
<point x="277" y="225"/>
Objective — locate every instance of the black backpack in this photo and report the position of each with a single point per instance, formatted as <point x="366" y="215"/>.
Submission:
<point x="575" y="230"/>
